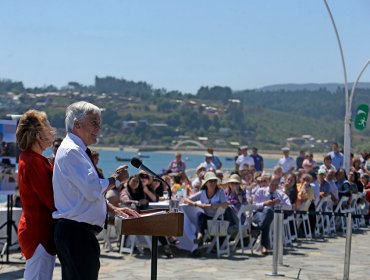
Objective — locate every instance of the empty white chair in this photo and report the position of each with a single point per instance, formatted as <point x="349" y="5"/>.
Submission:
<point x="353" y="210"/>
<point x="129" y="242"/>
<point x="321" y="220"/>
<point x="342" y="207"/>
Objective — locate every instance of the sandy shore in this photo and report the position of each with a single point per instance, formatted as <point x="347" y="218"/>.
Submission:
<point x="264" y="153"/>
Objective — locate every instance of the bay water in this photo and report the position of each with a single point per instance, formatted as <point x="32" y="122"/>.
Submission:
<point x="156" y="161"/>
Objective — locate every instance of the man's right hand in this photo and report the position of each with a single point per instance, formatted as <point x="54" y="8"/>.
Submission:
<point x="268" y="203"/>
<point x="122" y="173"/>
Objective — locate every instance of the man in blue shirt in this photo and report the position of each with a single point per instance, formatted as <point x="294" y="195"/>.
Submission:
<point x="324" y="186"/>
<point x="215" y="159"/>
<point x="258" y="160"/>
<point x="336" y="156"/>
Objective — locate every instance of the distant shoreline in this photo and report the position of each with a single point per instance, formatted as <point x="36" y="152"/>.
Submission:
<point x="264" y="153"/>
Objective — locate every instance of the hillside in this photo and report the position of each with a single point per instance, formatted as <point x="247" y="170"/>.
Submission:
<point x="332" y="87"/>
<point x="137" y="114"/>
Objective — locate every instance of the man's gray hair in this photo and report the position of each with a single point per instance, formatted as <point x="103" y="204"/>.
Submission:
<point x="77" y="111"/>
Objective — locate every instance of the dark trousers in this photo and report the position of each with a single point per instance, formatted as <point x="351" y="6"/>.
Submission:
<point x="202" y="222"/>
<point x="203" y="218"/>
<point x="263" y="219"/>
<point x="312" y="218"/>
<point x="77" y="249"/>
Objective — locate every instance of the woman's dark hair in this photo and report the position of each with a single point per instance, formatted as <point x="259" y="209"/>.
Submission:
<point x="327" y="157"/>
<point x="344" y="172"/>
<point x="139" y="194"/>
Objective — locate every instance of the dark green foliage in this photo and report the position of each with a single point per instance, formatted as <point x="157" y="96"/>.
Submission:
<point x="254" y="117"/>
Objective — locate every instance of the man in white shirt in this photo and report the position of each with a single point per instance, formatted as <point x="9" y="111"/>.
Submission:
<point x="207" y="163"/>
<point x="244" y="160"/>
<point x="265" y="200"/>
<point x="81" y="207"/>
<point x="287" y="163"/>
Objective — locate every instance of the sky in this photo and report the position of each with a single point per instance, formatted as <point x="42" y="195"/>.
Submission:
<point x="183" y="45"/>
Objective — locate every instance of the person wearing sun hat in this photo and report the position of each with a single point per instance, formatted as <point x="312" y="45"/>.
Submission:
<point x="324" y="186"/>
<point x="235" y="195"/>
<point x="210" y="198"/>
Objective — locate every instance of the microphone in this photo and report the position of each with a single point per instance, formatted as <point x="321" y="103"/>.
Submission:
<point x="136" y="162"/>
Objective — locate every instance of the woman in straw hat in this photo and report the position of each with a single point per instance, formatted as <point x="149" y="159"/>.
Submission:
<point x="235" y="195"/>
<point x="210" y="198"/>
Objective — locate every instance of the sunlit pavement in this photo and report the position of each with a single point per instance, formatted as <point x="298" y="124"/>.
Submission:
<point x="316" y="259"/>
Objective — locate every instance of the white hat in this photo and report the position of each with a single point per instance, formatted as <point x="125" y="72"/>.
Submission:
<point x="285" y="149"/>
<point x="243" y="147"/>
<point x="321" y="171"/>
<point x="208" y="155"/>
<point x="210" y="176"/>
<point x="234" y="179"/>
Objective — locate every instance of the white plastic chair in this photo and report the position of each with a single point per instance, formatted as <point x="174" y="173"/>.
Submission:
<point x="322" y="225"/>
<point x="129" y="242"/>
<point x="244" y="229"/>
<point x="289" y="237"/>
<point x="353" y="210"/>
<point x="340" y="208"/>
<point x="215" y="236"/>
<point x="304" y="218"/>
<point x="107" y="234"/>
<point x="359" y="209"/>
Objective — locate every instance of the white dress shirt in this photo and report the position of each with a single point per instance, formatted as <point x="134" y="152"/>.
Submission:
<point x="288" y="164"/>
<point x="207" y="166"/>
<point x="264" y="194"/>
<point x="78" y="191"/>
<point x="244" y="160"/>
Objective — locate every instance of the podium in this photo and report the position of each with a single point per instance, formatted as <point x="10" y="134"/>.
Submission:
<point x="154" y="223"/>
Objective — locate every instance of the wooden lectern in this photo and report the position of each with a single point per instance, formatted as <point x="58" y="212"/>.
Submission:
<point x="154" y="223"/>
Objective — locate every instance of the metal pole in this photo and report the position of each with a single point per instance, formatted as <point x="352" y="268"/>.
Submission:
<point x="347" y="254"/>
<point x="154" y="258"/>
<point x="276" y="247"/>
<point x="355" y="83"/>
<point x="347" y="117"/>
<point x="281" y="238"/>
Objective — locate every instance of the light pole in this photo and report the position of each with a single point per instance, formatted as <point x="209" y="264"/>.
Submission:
<point x="348" y="99"/>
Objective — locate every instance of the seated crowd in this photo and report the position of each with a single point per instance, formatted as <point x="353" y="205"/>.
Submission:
<point x="292" y="184"/>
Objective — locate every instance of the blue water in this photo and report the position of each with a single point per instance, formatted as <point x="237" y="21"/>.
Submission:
<point x="156" y="161"/>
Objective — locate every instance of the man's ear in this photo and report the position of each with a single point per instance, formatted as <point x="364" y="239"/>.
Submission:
<point x="77" y="125"/>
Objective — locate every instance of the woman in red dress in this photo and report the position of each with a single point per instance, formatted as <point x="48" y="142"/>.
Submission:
<point x="35" y="230"/>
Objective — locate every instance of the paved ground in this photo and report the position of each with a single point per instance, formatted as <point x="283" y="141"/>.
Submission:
<point x="317" y="259"/>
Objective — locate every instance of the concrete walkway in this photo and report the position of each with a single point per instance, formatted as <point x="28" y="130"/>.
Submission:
<point x="316" y="259"/>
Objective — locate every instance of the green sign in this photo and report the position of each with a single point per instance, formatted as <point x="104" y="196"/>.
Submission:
<point x="361" y="116"/>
